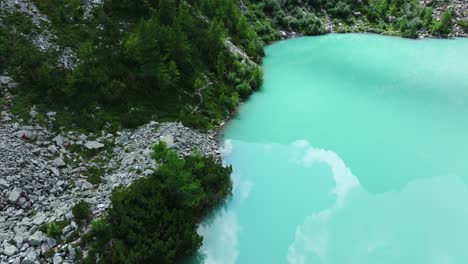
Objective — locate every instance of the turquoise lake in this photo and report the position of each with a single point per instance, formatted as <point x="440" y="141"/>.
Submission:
<point x="354" y="151"/>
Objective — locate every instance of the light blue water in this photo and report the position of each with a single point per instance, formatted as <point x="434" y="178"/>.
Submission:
<point x="355" y="151"/>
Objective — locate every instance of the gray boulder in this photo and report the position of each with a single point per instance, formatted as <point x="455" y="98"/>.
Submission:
<point x="58" y="162"/>
<point x="59" y="140"/>
<point x="26" y="134"/>
<point x="94" y="145"/>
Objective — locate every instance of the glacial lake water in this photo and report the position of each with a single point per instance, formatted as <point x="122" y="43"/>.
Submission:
<point x="354" y="151"/>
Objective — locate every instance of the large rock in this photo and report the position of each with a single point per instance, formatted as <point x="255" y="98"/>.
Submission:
<point x="15" y="194"/>
<point x="94" y="145"/>
<point x="58" y="162"/>
<point x="59" y="140"/>
<point x="26" y="135"/>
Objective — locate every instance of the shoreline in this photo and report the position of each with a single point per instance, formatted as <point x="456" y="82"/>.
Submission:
<point x="218" y="130"/>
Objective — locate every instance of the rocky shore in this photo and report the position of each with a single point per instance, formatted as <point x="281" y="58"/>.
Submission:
<point x="42" y="177"/>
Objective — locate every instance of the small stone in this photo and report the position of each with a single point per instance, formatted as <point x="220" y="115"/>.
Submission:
<point x="57" y="259"/>
<point x="39" y="219"/>
<point x="128" y="159"/>
<point x="22" y="201"/>
<point x="55" y="172"/>
<point x="36" y="238"/>
<point x="15" y="195"/>
<point x="71" y="252"/>
<point x="44" y="248"/>
<point x="85" y="185"/>
<point x="31" y="256"/>
<point x="59" y="140"/>
<point x="51" y="242"/>
<point x="94" y="145"/>
<point x="66" y="229"/>
<point x="58" y="162"/>
<point x="33" y="113"/>
<point x="4" y="184"/>
<point x="9" y="250"/>
<point x="123" y="139"/>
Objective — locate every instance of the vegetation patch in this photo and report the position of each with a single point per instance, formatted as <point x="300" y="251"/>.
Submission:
<point x="54" y="229"/>
<point x="463" y="24"/>
<point x="94" y="174"/>
<point x="82" y="212"/>
<point x="444" y="25"/>
<point x="155" y="219"/>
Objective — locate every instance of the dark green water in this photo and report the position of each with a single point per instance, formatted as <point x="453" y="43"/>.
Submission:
<point x="355" y="151"/>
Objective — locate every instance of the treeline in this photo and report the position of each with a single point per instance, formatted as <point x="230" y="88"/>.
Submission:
<point x="155" y="219"/>
<point x="141" y="60"/>
<point x="396" y="17"/>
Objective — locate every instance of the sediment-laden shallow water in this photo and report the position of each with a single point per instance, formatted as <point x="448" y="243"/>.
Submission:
<point x="354" y="151"/>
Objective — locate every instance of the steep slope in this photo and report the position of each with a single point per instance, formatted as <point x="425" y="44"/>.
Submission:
<point x="84" y="71"/>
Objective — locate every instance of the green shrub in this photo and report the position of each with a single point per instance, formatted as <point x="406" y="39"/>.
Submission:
<point x="244" y="89"/>
<point x="94" y="174"/>
<point x="159" y="151"/>
<point x="444" y="25"/>
<point x="82" y="212"/>
<point x="98" y="241"/>
<point x="311" y="25"/>
<point x="54" y="229"/>
<point x="463" y="24"/>
<point x="427" y="17"/>
<point x="272" y="6"/>
<point x="409" y="29"/>
<point x="341" y="9"/>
